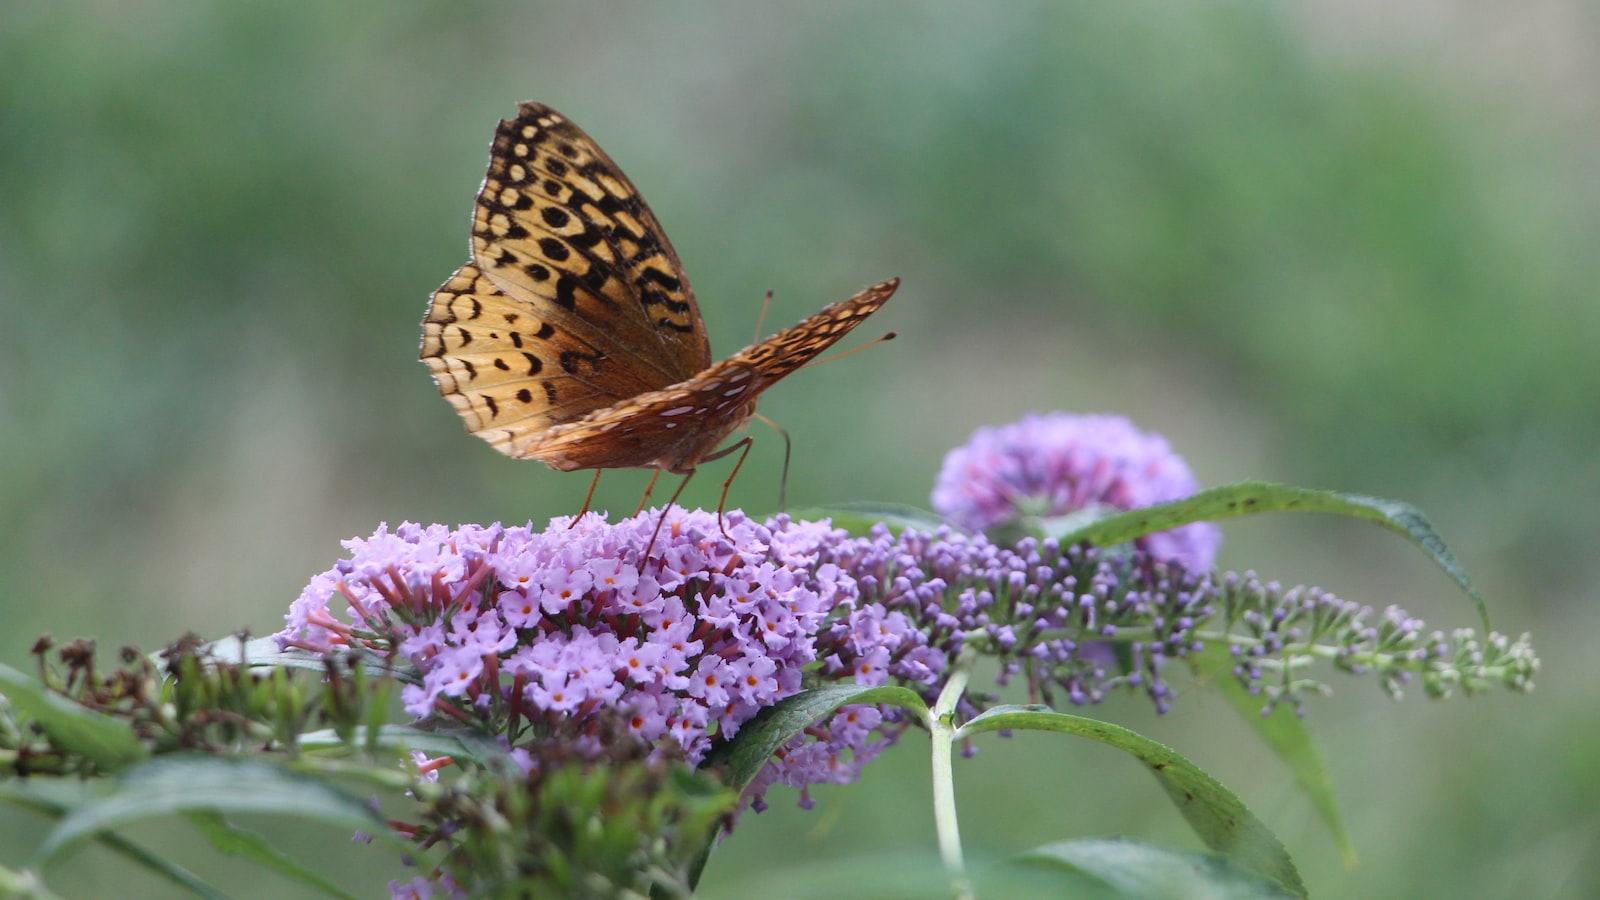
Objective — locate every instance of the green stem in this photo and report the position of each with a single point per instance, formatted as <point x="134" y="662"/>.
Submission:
<point x="941" y="728"/>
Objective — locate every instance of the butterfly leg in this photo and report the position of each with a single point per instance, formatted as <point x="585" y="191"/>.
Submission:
<point x="586" y="498"/>
<point x="663" y="520"/>
<point x="647" y="489"/>
<point x="723" y="501"/>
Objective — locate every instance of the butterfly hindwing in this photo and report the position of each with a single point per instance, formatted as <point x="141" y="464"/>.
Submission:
<point x="674" y="428"/>
<point x="509" y="373"/>
<point x="797" y="345"/>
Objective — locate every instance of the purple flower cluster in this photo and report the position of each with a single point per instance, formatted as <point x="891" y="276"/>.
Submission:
<point x="548" y="629"/>
<point x="534" y="634"/>
<point x="574" y="635"/>
<point x="1044" y="612"/>
<point x="831" y="752"/>
<point x="1055" y="464"/>
<point x="1271" y="627"/>
<point x="551" y="635"/>
<point x="441" y="883"/>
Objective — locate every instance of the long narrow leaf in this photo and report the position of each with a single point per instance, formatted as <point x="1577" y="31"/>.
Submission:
<point x="180" y="784"/>
<point x="463" y="744"/>
<point x="859" y="518"/>
<point x="264" y="652"/>
<point x="1285" y="734"/>
<point x="744" y="756"/>
<point x="1215" y="813"/>
<point x="47" y="797"/>
<point x="1250" y="497"/>
<point x="741" y="759"/>
<point x="1135" y="869"/>
<point x="235" y="841"/>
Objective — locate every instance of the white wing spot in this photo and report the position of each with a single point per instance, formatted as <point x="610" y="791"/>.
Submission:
<point x="677" y="411"/>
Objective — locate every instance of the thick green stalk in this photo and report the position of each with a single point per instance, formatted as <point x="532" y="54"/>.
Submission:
<point x="941" y="729"/>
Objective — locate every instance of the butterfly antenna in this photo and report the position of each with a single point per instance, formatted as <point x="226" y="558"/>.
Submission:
<point x="762" y="319"/>
<point x="783" y="480"/>
<point x="837" y="356"/>
<point x="587" y="497"/>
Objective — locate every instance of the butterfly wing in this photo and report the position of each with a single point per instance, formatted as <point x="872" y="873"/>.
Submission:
<point x="675" y="428"/>
<point x="574" y="299"/>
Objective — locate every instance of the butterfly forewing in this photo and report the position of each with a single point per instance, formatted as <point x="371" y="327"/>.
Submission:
<point x="557" y="220"/>
<point x="573" y="336"/>
<point x="574" y="299"/>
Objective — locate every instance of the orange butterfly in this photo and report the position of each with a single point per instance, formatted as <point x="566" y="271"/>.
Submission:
<point x="573" y="337"/>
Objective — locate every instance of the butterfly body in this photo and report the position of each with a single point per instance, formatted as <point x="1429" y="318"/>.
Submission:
<point x="573" y="337"/>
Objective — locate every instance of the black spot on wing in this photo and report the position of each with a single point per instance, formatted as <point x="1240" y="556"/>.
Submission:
<point x="553" y="249"/>
<point x="665" y="280"/>
<point x="580" y="364"/>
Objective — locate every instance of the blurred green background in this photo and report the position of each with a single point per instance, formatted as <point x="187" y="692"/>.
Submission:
<point x="1337" y="245"/>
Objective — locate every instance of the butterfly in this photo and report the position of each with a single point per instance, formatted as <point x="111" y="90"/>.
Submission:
<point x="572" y="336"/>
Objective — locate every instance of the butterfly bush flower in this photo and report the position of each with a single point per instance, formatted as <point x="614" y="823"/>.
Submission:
<point x="1044" y="612"/>
<point x="542" y="635"/>
<point x="1057" y="463"/>
<point x="570" y="634"/>
<point x="548" y="629"/>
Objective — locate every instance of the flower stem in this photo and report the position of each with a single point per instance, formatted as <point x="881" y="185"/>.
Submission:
<point x="941" y="728"/>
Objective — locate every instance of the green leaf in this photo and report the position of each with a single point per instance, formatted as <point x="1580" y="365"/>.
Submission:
<point x="23" y="885"/>
<point x="1215" y="813"/>
<point x="741" y="758"/>
<point x="1285" y="734"/>
<point x="53" y="798"/>
<point x="1250" y="497"/>
<point x="264" y="652"/>
<point x="858" y="518"/>
<point x="1062" y="527"/>
<point x="1134" y="869"/>
<point x="464" y="744"/>
<point x="174" y="784"/>
<point x="106" y="741"/>
<point x="235" y="841"/>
